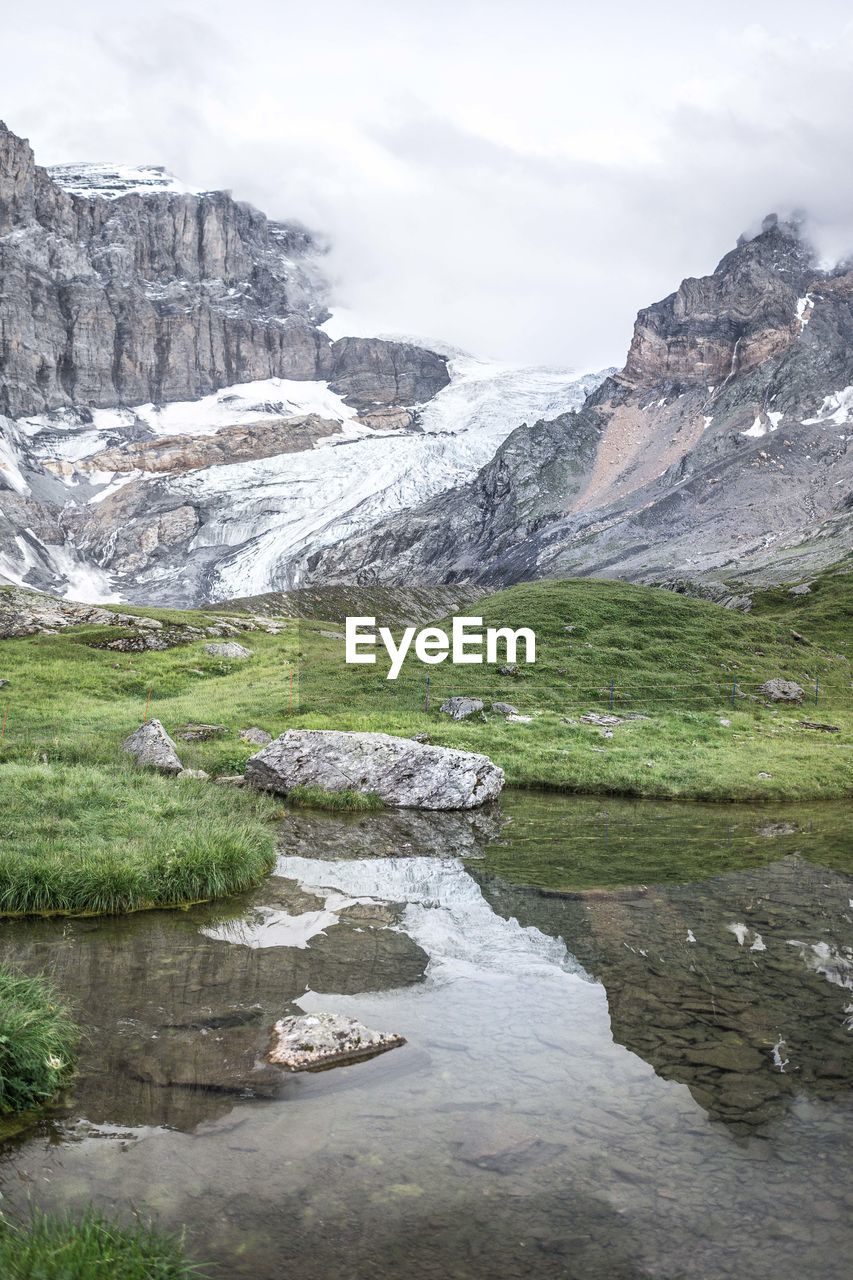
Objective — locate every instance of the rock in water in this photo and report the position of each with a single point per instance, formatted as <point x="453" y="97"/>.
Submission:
<point x="153" y="748"/>
<point x="459" y="708"/>
<point x="782" y="691"/>
<point x="401" y="772"/>
<point x="229" y="650"/>
<point x="318" y="1040"/>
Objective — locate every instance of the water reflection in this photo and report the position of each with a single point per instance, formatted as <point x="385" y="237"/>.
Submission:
<point x="606" y="1077"/>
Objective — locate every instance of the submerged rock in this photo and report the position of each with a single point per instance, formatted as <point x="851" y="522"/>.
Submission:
<point x="401" y="772"/>
<point x="460" y="708"/>
<point x="318" y="1040"/>
<point x="228" y="650"/>
<point x="152" y="748"/>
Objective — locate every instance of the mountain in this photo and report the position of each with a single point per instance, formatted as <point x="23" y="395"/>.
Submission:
<point x="177" y="426"/>
<point x="721" y="448"/>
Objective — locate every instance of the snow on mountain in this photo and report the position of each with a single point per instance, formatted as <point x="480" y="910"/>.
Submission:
<point x="110" y="181"/>
<point x="269" y="515"/>
<point x="258" y="520"/>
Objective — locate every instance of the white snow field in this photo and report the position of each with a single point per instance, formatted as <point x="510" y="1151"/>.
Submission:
<point x="268" y="515"/>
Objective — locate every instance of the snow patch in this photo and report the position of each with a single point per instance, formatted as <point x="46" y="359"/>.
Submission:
<point x="835" y="408"/>
<point x="111" y="181"/>
<point x="10" y="470"/>
<point x="805" y="307"/>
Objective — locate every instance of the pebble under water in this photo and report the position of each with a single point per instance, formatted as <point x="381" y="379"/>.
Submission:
<point x="629" y="1031"/>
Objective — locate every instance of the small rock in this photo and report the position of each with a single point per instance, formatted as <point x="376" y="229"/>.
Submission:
<point x="200" y="732"/>
<point x="421" y="737"/>
<point x="318" y="1040"/>
<point x="258" y="737"/>
<point x="782" y="690"/>
<point x="3" y="684"/>
<point x="803" y="589"/>
<point x="510" y="669"/>
<point x="795" y="635"/>
<point x="764" y="775"/>
<point x="228" y="650"/>
<point x="196" y="775"/>
<point x="231" y="780"/>
<point x="460" y="708"/>
<point x="153" y="748"/>
<point x="804" y="724"/>
<point x="593" y="717"/>
<point x="725" y="723"/>
<point x="515" y="719"/>
<point x="504" y="709"/>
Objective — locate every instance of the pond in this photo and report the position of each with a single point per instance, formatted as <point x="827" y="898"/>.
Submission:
<point x="628" y="1050"/>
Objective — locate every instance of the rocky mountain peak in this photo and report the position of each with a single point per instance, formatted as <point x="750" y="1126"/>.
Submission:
<point x="729" y="321"/>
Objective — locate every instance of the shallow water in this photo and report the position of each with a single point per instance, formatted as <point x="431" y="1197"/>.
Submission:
<point x="629" y="1050"/>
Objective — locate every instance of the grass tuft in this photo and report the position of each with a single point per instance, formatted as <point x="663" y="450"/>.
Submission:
<point x="37" y="1044"/>
<point x="94" y="1248"/>
<point x="319" y="798"/>
<point x="79" y="839"/>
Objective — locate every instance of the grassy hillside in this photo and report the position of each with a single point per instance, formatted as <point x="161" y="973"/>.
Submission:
<point x="683" y="663"/>
<point x="825" y="610"/>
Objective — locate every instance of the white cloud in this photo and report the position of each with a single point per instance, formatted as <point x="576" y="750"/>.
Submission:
<point x="515" y="179"/>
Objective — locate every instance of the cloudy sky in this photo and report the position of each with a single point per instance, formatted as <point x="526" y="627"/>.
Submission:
<point x="515" y="178"/>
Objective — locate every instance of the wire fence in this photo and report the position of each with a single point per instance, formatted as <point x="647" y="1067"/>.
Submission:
<point x="306" y="688"/>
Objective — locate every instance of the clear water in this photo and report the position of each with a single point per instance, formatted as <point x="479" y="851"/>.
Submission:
<point x="629" y="1050"/>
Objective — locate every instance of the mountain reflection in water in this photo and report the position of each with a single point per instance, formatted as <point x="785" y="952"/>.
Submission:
<point x="607" y="1075"/>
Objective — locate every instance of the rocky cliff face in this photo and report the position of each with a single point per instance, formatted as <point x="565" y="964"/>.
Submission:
<point x="132" y="293"/>
<point x="723" y="445"/>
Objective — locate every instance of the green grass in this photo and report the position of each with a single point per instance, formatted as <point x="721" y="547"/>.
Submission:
<point x="53" y="1248"/>
<point x="81" y="839"/>
<point x="37" y="1044"/>
<point x="348" y="801"/>
<point x="671" y="658"/>
<point x="683" y="663"/>
<point x="824" y="616"/>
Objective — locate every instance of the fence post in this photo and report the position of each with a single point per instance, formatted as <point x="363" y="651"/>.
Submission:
<point x="426" y="695"/>
<point x="734" y="690"/>
<point x="611" y="695"/>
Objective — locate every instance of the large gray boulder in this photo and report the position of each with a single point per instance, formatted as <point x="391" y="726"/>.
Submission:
<point x="152" y="748"/>
<point x="782" y="691"/>
<point x="401" y="772"/>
